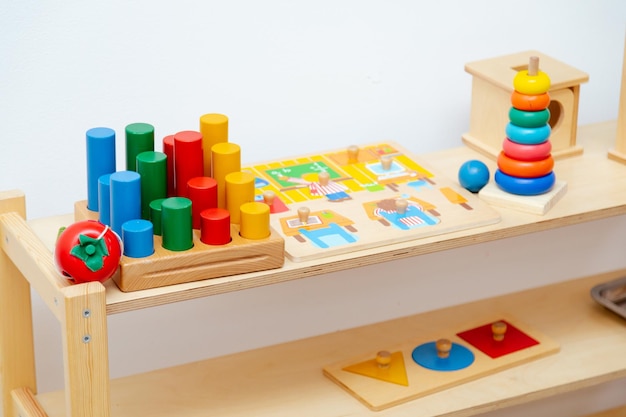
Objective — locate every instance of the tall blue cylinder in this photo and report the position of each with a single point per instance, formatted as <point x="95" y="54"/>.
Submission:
<point x="104" y="199"/>
<point x="100" y="161"/>
<point x="125" y="198"/>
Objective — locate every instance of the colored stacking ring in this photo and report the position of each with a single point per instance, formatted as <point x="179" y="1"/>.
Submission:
<point x="526" y="152"/>
<point x="531" y="84"/>
<point x="529" y="118"/>
<point x="530" y="102"/>
<point x="528" y="135"/>
<point x="525" y="169"/>
<point x="524" y="186"/>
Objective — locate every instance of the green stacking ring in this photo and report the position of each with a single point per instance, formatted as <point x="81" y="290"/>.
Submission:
<point x="529" y="118"/>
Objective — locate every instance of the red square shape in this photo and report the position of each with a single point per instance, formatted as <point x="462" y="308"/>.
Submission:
<point x="482" y="339"/>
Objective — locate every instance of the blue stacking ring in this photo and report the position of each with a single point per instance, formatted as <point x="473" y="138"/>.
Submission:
<point x="524" y="186"/>
<point x="528" y="135"/>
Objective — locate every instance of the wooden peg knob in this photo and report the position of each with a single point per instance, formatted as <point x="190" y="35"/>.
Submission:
<point x="353" y="154"/>
<point x="533" y="65"/>
<point x="323" y="178"/>
<point x="386" y="161"/>
<point x="383" y="359"/>
<point x="268" y="197"/>
<point x="401" y="205"/>
<point x="443" y="348"/>
<point x="498" y="329"/>
<point x="303" y="214"/>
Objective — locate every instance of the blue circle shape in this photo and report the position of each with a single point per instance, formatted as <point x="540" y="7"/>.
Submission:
<point x="473" y="175"/>
<point x="528" y="135"/>
<point x="525" y="186"/>
<point x="426" y="356"/>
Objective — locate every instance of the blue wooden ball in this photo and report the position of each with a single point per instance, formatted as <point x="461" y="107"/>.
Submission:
<point x="473" y="175"/>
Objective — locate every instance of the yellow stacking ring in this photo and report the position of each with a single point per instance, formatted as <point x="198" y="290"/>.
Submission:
<point x="531" y="84"/>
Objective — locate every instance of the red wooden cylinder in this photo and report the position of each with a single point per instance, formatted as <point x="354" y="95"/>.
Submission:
<point x="168" y="150"/>
<point x="215" y="226"/>
<point x="202" y="191"/>
<point x="188" y="159"/>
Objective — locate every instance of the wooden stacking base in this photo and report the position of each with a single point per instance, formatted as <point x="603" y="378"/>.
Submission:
<point x="378" y="394"/>
<point x="536" y="204"/>
<point x="166" y="267"/>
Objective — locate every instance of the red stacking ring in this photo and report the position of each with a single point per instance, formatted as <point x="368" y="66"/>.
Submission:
<point x="523" y="152"/>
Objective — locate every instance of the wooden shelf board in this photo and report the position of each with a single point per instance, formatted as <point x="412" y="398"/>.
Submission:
<point x="614" y="412"/>
<point x="596" y="187"/>
<point x="287" y="379"/>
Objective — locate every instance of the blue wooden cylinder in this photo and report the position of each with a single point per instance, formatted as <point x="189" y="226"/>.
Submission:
<point x="138" y="238"/>
<point x="100" y="161"/>
<point x="125" y="198"/>
<point x="104" y="199"/>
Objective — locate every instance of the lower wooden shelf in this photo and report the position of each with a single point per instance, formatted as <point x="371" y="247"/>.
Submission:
<point x="614" y="412"/>
<point x="287" y="379"/>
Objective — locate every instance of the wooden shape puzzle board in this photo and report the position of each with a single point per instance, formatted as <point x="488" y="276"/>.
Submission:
<point x="378" y="394"/>
<point x="356" y="209"/>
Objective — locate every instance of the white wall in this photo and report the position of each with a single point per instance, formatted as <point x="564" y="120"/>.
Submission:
<point x="293" y="77"/>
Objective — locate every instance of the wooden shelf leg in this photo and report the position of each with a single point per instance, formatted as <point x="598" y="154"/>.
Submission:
<point x="17" y="357"/>
<point x="85" y="350"/>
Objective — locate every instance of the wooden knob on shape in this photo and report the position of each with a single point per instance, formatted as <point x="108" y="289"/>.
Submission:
<point x="323" y="178"/>
<point x="303" y="214"/>
<point x="443" y="348"/>
<point x="353" y="154"/>
<point x="383" y="358"/>
<point x="401" y="205"/>
<point x="498" y="329"/>
<point x="268" y="197"/>
<point x="386" y="161"/>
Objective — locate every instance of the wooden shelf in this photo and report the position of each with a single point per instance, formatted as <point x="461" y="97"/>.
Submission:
<point x="615" y="412"/>
<point x="287" y="380"/>
<point x="595" y="190"/>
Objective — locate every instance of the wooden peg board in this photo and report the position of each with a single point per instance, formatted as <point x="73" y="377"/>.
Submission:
<point x="378" y="394"/>
<point x="165" y="267"/>
<point x="357" y="209"/>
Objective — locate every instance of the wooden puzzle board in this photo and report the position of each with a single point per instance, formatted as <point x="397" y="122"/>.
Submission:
<point x="378" y="394"/>
<point x="355" y="210"/>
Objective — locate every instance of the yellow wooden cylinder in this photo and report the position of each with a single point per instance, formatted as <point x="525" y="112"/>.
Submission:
<point x="214" y="130"/>
<point x="255" y="220"/>
<point x="226" y="158"/>
<point x="239" y="190"/>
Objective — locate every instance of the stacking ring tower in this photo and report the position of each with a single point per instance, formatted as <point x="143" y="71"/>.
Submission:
<point x="525" y="164"/>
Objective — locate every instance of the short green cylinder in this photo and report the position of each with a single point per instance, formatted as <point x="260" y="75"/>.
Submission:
<point x="155" y="215"/>
<point x="176" y="224"/>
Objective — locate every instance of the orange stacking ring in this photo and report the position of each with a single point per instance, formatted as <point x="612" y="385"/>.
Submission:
<point x="528" y="102"/>
<point x="525" y="169"/>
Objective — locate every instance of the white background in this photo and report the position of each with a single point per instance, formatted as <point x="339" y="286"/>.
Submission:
<point x="293" y="77"/>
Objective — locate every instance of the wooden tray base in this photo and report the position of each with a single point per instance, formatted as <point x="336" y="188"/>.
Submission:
<point x="536" y="204"/>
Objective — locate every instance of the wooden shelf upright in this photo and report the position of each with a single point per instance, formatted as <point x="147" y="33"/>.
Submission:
<point x="295" y="385"/>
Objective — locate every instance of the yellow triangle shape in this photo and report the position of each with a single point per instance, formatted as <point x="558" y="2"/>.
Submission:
<point x="395" y="372"/>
